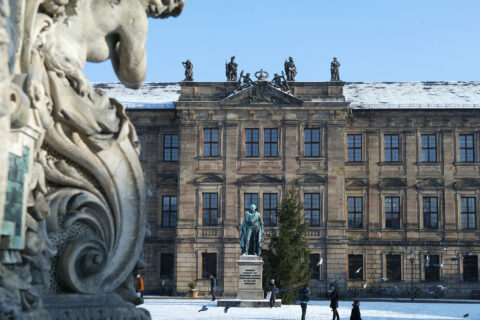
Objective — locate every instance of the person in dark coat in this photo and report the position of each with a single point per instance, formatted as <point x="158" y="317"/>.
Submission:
<point x="304" y="297"/>
<point x="355" y="311"/>
<point x="334" y="303"/>
<point x="271" y="289"/>
<point x="213" y="285"/>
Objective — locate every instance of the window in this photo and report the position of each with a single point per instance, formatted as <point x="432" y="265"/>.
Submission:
<point x="466" y="148"/>
<point x="210" y="209"/>
<point x="394" y="267"/>
<point x="270" y="146"/>
<point x="170" y="147"/>
<point x="250" y="198"/>
<point x="468" y="212"/>
<point x="391" y="147"/>
<point x="312" y="143"/>
<point x="210" y="142"/>
<point x="169" y="211"/>
<point x="315" y="266"/>
<point x="209" y="264"/>
<point x="355" y="212"/>
<point x="432" y="268"/>
<point x="430" y="212"/>
<point x="166" y="265"/>
<point x="270" y="209"/>
<point x="355" y="267"/>
<point x="429" y="148"/>
<point x="251" y="142"/>
<point x="312" y="209"/>
<point x="470" y="268"/>
<point x="392" y="212"/>
<point x="354" y="147"/>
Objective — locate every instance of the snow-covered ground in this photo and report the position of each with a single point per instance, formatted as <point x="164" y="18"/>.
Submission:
<point x="172" y="309"/>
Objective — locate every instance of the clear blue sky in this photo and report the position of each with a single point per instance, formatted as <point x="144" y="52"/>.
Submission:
<point x="374" y="40"/>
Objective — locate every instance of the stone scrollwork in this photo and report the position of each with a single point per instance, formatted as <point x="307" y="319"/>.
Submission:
<point x="77" y="218"/>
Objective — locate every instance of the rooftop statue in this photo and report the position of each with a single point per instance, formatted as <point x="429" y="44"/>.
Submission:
<point x="280" y="82"/>
<point x="334" y="70"/>
<point x="231" y="69"/>
<point x="251" y="239"/>
<point x="85" y="216"/>
<point x="188" y="70"/>
<point x="290" y="69"/>
<point x="245" y="80"/>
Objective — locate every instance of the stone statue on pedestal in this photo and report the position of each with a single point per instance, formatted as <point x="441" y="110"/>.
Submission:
<point x="188" y="70"/>
<point x="251" y="239"/>
<point x="231" y="69"/>
<point x="334" y="70"/>
<point x="290" y="69"/>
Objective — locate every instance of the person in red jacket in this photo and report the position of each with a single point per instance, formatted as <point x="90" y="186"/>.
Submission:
<point x="139" y="286"/>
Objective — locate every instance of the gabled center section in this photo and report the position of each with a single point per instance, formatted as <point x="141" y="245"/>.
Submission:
<point x="260" y="92"/>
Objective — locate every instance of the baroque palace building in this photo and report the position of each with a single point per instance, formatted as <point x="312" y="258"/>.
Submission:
<point x="389" y="177"/>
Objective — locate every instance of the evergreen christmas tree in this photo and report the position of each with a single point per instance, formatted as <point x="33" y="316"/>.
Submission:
<point x="288" y="258"/>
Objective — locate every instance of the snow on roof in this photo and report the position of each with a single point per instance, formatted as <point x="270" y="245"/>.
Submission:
<point x="151" y="95"/>
<point x="409" y="95"/>
<point x="362" y="95"/>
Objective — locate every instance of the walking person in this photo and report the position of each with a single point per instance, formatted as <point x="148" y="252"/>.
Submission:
<point x="271" y="289"/>
<point x="304" y="297"/>
<point x="139" y="285"/>
<point x="355" y="315"/>
<point x="213" y="285"/>
<point x="334" y="302"/>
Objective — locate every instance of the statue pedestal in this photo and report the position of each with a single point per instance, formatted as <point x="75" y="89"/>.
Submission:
<point x="250" y="291"/>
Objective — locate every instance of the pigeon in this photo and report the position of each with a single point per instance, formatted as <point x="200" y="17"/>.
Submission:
<point x="439" y="266"/>
<point x="466" y="315"/>
<point x="441" y="287"/>
<point x="468" y="254"/>
<point x="320" y="262"/>
<point x="384" y="279"/>
<point x="226" y="309"/>
<point x="358" y="270"/>
<point x="427" y="262"/>
<point x="204" y="308"/>
<point x="444" y="249"/>
<point x="364" y="285"/>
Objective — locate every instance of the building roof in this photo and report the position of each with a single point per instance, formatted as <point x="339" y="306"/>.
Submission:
<point x="362" y="95"/>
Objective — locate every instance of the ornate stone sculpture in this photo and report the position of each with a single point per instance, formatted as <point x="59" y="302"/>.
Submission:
<point x="188" y="70"/>
<point x="251" y="239"/>
<point x="72" y="157"/>
<point x="290" y="69"/>
<point x="280" y="82"/>
<point x="245" y="80"/>
<point x="334" y="70"/>
<point x="231" y="69"/>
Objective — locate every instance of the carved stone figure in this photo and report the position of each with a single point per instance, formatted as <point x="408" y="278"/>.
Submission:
<point x="280" y="82"/>
<point x="231" y="69"/>
<point x="290" y="69"/>
<point x="188" y="70"/>
<point x="75" y="188"/>
<point x="251" y="239"/>
<point x="245" y="80"/>
<point x="334" y="70"/>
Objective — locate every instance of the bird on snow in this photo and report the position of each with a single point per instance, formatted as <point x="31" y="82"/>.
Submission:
<point x="226" y="309"/>
<point x="204" y="308"/>
<point x="465" y="315"/>
<point x="320" y="262"/>
<point x="358" y="270"/>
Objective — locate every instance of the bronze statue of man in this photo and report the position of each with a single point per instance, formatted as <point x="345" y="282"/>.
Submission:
<point x="290" y="69"/>
<point x="280" y="82"/>
<point x="334" y="66"/>
<point x="252" y="232"/>
<point x="188" y="70"/>
<point x="231" y="69"/>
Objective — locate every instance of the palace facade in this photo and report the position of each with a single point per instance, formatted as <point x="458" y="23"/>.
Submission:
<point x="391" y="191"/>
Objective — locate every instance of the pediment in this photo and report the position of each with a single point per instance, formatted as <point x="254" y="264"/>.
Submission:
<point x="208" y="178"/>
<point x="355" y="183"/>
<point x="429" y="184"/>
<point x="259" y="179"/>
<point x="391" y="183"/>
<point x="260" y="92"/>
<point x="311" y="179"/>
<point x="467" y="184"/>
<point x="167" y="181"/>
